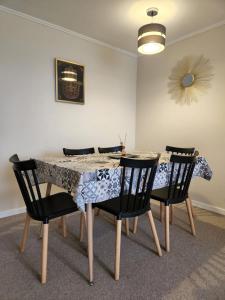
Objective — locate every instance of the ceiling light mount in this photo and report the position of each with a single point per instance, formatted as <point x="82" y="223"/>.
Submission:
<point x="152" y="11"/>
<point x="151" y="37"/>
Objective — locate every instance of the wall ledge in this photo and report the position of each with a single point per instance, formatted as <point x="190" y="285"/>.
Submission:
<point x="209" y="207"/>
<point x="12" y="212"/>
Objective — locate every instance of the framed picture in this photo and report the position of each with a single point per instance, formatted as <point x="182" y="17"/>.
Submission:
<point x="69" y="81"/>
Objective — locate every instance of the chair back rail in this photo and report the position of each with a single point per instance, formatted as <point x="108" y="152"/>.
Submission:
<point x="179" y="150"/>
<point x="71" y="152"/>
<point x="137" y="179"/>
<point x="182" y="168"/>
<point x="110" y="149"/>
<point x="25" y="172"/>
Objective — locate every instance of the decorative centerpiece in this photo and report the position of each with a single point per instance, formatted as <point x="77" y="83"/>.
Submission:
<point x="123" y="144"/>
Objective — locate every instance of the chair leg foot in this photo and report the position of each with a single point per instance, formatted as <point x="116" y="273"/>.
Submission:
<point x="25" y="233"/>
<point x="135" y="224"/>
<point x="154" y="232"/>
<point x="167" y="228"/>
<point x="117" y="250"/>
<point x="44" y="254"/>
<point x="190" y="216"/>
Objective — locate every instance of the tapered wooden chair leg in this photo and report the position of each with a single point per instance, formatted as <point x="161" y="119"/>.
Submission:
<point x="192" y="208"/>
<point x="117" y="250"/>
<point x="171" y="213"/>
<point x="82" y="225"/>
<point x="167" y="227"/>
<point x="154" y="232"/>
<point x="135" y="224"/>
<point x="93" y="216"/>
<point x="190" y="216"/>
<point x="161" y="211"/>
<point x="25" y="233"/>
<point x="41" y="231"/>
<point x="64" y="229"/>
<point x="44" y="258"/>
<point x="47" y="193"/>
<point x="127" y="227"/>
<point x="97" y="211"/>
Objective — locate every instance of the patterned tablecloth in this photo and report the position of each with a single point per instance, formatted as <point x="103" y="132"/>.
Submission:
<point x="96" y="177"/>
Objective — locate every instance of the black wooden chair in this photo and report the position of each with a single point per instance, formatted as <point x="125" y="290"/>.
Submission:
<point x="71" y="152"/>
<point x="39" y="208"/>
<point x="110" y="149"/>
<point x="74" y="152"/>
<point x="182" y="168"/>
<point x="179" y="151"/>
<point x="137" y="179"/>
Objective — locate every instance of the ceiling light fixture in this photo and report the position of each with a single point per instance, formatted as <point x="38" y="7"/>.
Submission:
<point x="151" y="37"/>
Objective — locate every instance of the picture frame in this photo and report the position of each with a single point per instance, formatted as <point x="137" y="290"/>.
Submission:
<point x="69" y="81"/>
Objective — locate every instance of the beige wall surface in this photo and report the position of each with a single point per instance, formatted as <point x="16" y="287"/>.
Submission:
<point x="32" y="123"/>
<point x="160" y="121"/>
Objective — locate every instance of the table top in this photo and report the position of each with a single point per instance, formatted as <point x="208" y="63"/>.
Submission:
<point x="96" y="177"/>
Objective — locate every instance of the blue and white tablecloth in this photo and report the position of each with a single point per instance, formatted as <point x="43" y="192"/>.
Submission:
<point x="96" y="177"/>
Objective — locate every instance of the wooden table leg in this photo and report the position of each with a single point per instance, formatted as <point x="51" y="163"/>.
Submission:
<point x="89" y="217"/>
<point x="48" y="189"/>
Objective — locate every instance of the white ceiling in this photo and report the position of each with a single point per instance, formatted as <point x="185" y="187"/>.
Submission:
<point x="116" y="22"/>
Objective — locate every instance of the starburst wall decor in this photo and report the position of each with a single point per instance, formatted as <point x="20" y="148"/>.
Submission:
<point x="191" y="75"/>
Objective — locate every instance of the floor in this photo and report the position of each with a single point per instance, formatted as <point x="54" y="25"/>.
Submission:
<point x="194" y="269"/>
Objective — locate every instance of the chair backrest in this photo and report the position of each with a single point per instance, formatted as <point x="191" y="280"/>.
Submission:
<point x="182" y="168"/>
<point x="71" y="152"/>
<point x="110" y="149"/>
<point x="179" y="150"/>
<point x="25" y="172"/>
<point x="136" y="184"/>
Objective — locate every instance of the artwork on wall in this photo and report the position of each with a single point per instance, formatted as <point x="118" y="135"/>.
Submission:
<point x="69" y="82"/>
<point x="191" y="75"/>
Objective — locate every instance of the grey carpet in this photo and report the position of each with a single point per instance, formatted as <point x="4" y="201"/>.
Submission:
<point x="194" y="269"/>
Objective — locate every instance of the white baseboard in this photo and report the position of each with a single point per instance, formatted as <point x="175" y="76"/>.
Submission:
<point x="12" y="212"/>
<point x="209" y="207"/>
<point x="216" y="209"/>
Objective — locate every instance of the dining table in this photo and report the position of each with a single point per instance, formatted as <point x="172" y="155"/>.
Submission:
<point x="96" y="177"/>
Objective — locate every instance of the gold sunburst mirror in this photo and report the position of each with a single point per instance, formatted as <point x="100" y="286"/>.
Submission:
<point x="190" y="75"/>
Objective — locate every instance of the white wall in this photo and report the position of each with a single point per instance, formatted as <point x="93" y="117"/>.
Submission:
<point x="32" y="123"/>
<point x="160" y="121"/>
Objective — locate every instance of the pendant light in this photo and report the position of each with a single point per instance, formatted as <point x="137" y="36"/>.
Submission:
<point x="151" y="37"/>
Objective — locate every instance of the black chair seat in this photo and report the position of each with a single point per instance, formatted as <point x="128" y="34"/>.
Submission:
<point x="162" y="195"/>
<point x="113" y="206"/>
<point x="55" y="206"/>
